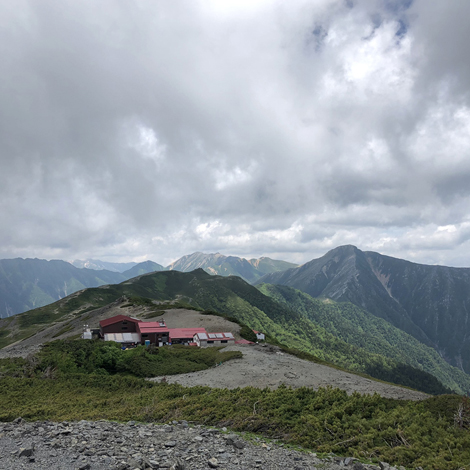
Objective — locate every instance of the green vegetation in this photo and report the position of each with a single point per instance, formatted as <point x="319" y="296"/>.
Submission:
<point x="363" y="330"/>
<point x="404" y="433"/>
<point x="63" y="357"/>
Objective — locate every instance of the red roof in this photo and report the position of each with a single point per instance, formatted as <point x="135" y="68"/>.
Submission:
<point x="152" y="327"/>
<point x="117" y="319"/>
<point x="244" y="341"/>
<point x="185" y="332"/>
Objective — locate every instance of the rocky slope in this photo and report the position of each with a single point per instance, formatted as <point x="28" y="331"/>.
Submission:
<point x="105" y="445"/>
<point x="432" y="303"/>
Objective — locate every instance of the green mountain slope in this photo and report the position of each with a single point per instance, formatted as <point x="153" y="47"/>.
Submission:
<point x="360" y="328"/>
<point x="234" y="297"/>
<point x="429" y="302"/>
<point x="215" y="263"/>
<point x="29" y="283"/>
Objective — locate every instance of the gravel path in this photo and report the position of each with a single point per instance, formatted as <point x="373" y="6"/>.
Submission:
<point x="266" y="366"/>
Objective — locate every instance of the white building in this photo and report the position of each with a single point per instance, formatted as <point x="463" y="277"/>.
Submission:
<point x="213" y="339"/>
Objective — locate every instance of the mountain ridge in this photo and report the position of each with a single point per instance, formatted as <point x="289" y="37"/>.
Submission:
<point x="429" y="302"/>
<point x="218" y="264"/>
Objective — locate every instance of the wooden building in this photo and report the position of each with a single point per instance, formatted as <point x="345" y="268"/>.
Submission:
<point x="119" y="324"/>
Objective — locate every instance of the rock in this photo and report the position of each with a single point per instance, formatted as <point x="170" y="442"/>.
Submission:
<point x="103" y="445"/>
<point x="178" y="465"/>
<point x="85" y="466"/>
<point x="386" y="466"/>
<point x="26" y="451"/>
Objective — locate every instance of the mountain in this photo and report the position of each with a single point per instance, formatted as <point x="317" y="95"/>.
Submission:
<point x="99" y="265"/>
<point x="362" y="329"/>
<point x="143" y="268"/>
<point x="431" y="303"/>
<point x="29" y="283"/>
<point x="215" y="263"/>
<point x="233" y="297"/>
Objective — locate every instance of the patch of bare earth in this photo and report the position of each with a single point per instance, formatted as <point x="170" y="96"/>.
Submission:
<point x="266" y="366"/>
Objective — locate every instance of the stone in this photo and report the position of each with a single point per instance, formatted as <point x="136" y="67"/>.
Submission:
<point x="103" y="445"/>
<point x="26" y="451"/>
<point x="85" y="466"/>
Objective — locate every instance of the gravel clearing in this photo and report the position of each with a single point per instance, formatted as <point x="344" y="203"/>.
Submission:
<point x="266" y="366"/>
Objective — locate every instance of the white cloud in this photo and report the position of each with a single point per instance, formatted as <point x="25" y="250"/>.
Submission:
<point x="132" y="130"/>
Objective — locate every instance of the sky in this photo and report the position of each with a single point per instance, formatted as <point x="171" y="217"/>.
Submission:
<point x="151" y="129"/>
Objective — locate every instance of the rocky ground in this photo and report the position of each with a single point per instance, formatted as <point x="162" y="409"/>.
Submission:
<point x="102" y="445"/>
<point x="266" y="366"/>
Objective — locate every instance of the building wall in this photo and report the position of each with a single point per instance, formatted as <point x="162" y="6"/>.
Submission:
<point x="124" y="326"/>
<point x="154" y="338"/>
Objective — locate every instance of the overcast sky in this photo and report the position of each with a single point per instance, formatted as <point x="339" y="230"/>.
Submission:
<point x="150" y="129"/>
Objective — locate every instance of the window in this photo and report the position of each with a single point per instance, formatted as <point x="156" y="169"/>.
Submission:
<point x="145" y="336"/>
<point x="124" y="328"/>
<point x="124" y="323"/>
<point x="224" y="341"/>
<point x="210" y="342"/>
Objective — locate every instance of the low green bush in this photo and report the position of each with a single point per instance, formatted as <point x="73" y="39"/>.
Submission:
<point x="412" y="434"/>
<point x="63" y="357"/>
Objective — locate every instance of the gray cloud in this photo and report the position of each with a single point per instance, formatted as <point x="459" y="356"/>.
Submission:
<point x="148" y="130"/>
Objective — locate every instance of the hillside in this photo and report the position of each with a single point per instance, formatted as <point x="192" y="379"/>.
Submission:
<point x="430" y="303"/>
<point x="234" y="297"/>
<point x="362" y="329"/>
<point x="26" y="284"/>
<point x="222" y="265"/>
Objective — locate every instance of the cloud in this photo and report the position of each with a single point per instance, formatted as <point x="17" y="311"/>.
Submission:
<point x="151" y="130"/>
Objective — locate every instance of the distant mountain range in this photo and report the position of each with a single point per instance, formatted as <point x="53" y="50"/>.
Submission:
<point x="29" y="283"/>
<point x="431" y="303"/>
<point x="250" y="270"/>
<point x="99" y="265"/>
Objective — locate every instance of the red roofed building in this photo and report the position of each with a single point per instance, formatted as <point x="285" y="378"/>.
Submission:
<point x="155" y="332"/>
<point x="184" y="335"/>
<point x="119" y="324"/>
